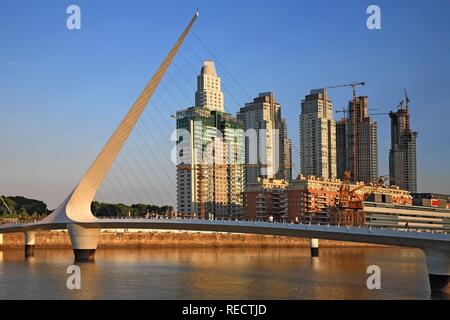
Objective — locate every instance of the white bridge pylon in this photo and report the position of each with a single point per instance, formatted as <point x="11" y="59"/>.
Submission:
<point x="76" y="208"/>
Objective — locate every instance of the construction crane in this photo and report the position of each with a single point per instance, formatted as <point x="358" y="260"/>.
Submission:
<point x="349" y="205"/>
<point x="353" y="85"/>
<point x="379" y="114"/>
<point x="407" y="101"/>
<point x="343" y="110"/>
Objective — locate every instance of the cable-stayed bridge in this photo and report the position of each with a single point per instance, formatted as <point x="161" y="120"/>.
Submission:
<point x="74" y="213"/>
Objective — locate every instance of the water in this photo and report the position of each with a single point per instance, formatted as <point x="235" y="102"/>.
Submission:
<point x="261" y="273"/>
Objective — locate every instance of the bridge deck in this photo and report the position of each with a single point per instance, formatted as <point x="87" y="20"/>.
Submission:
<point x="366" y="235"/>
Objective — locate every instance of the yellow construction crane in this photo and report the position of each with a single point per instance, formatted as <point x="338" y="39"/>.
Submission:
<point x="353" y="85"/>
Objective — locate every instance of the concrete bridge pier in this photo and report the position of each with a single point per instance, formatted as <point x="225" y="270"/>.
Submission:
<point x="84" y="242"/>
<point x="314" y="245"/>
<point x="30" y="243"/>
<point x="438" y="265"/>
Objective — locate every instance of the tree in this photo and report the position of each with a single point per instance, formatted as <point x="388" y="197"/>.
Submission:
<point x="23" y="206"/>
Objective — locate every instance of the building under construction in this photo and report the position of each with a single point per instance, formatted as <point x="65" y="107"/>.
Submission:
<point x="313" y="199"/>
<point x="349" y="205"/>
<point x="357" y="143"/>
<point x="309" y="199"/>
<point x="402" y="155"/>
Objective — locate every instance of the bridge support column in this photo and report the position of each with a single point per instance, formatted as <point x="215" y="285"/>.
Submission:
<point x="30" y="243"/>
<point x="314" y="245"/>
<point x="438" y="265"/>
<point x="84" y="242"/>
<point x="1" y="247"/>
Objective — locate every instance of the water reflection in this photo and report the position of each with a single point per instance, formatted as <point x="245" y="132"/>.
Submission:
<point x="254" y="273"/>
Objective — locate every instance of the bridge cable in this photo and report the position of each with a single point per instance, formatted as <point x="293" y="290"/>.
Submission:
<point x="150" y="165"/>
<point x="127" y="178"/>
<point x="225" y="88"/>
<point x="162" y="152"/>
<point x="143" y="173"/>
<point x="220" y="63"/>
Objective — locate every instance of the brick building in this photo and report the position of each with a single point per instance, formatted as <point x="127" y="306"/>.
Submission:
<point x="307" y="198"/>
<point x="264" y="198"/>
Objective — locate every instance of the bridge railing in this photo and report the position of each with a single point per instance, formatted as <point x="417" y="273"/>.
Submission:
<point x="301" y="222"/>
<point x="275" y="221"/>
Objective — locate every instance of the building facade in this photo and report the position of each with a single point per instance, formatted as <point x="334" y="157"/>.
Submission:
<point x="209" y="91"/>
<point x="317" y="136"/>
<point x="341" y="146"/>
<point x="210" y="155"/>
<point x="267" y="146"/>
<point x="402" y="155"/>
<point x="285" y="171"/>
<point x="357" y="142"/>
<point x="431" y="200"/>
<point x="306" y="199"/>
<point x="308" y="196"/>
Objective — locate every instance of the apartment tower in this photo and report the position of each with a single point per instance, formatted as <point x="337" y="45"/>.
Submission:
<point x="317" y="136"/>
<point x="210" y="154"/>
<point x="267" y="146"/>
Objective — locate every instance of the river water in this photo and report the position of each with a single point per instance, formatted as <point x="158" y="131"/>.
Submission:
<point x="261" y="273"/>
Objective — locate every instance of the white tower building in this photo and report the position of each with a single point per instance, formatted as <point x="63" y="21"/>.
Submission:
<point x="209" y="94"/>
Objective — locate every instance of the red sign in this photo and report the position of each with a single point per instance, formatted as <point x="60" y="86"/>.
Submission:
<point x="434" y="203"/>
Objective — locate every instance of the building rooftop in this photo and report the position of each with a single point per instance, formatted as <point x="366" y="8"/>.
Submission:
<point x="209" y="68"/>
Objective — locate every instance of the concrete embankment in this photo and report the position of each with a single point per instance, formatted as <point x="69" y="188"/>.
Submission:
<point x="154" y="239"/>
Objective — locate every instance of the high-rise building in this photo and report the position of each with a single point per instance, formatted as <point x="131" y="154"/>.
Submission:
<point x="357" y="137"/>
<point x="341" y="146"/>
<point x="267" y="146"/>
<point x="317" y="136"/>
<point x="402" y="155"/>
<point x="210" y="154"/>
<point x="285" y="171"/>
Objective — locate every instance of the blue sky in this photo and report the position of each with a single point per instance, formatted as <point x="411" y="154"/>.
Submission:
<point x="62" y="92"/>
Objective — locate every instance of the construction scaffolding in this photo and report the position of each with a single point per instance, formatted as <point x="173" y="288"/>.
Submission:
<point x="349" y="207"/>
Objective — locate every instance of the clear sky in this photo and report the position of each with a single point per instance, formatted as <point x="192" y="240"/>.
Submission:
<point x="62" y="92"/>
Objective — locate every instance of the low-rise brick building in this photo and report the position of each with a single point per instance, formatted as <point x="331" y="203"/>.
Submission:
<point x="264" y="198"/>
<point x="307" y="198"/>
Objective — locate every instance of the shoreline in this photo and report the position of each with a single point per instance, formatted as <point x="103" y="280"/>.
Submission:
<point x="174" y="239"/>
